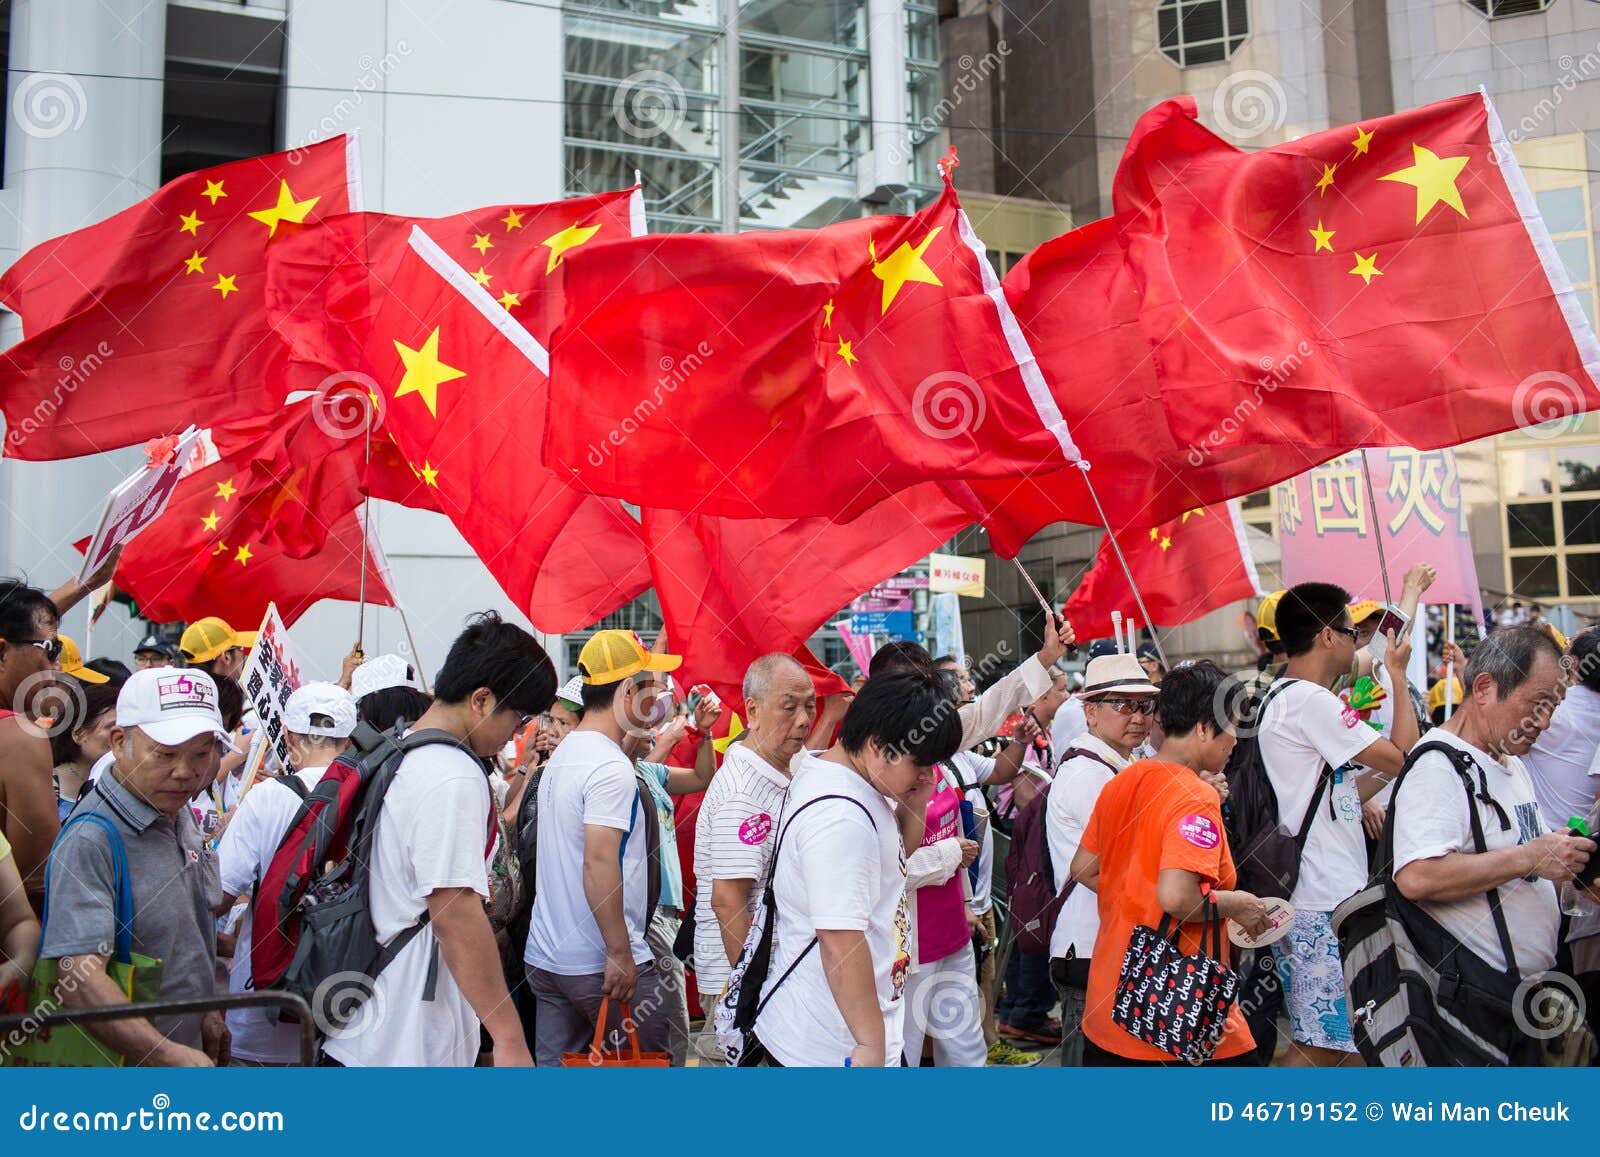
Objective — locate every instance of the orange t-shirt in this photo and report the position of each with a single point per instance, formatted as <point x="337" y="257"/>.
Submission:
<point x="1151" y="816"/>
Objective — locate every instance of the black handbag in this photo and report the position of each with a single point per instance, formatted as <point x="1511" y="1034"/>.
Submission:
<point x="1176" y="1003"/>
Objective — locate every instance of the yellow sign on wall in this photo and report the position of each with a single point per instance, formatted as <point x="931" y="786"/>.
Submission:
<point x="956" y="574"/>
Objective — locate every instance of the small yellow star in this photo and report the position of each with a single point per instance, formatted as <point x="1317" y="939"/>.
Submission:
<point x="1323" y="237"/>
<point x="226" y="489"/>
<point x="1166" y="543"/>
<point x="220" y="548"/>
<point x="287" y="209"/>
<point x="211" y="520"/>
<point x="482" y="243"/>
<point x="225" y="285"/>
<point x="242" y="556"/>
<point x="1154" y="534"/>
<point x="194" y="263"/>
<point x="213" y="191"/>
<point x="191" y="223"/>
<point x="569" y="238"/>
<point x="846" y="353"/>
<point x="508" y="299"/>
<point x="428" y="474"/>
<point x="512" y="220"/>
<point x="1325" y="182"/>
<point x="827" y="315"/>
<point x="1367" y="268"/>
<point x="1363" y="140"/>
<point x="482" y="276"/>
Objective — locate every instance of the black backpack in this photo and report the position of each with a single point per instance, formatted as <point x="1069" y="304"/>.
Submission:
<point x="1266" y="853"/>
<point x="1417" y="995"/>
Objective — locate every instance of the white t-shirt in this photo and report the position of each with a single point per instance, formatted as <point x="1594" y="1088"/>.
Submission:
<point x="1562" y="763"/>
<point x="1431" y="820"/>
<point x="733" y="839"/>
<point x="1073" y="793"/>
<point x="1305" y="726"/>
<point x="243" y="853"/>
<point x="1069" y="723"/>
<point x="839" y="869"/>
<point x="972" y="771"/>
<point x="588" y="781"/>
<point x="432" y="834"/>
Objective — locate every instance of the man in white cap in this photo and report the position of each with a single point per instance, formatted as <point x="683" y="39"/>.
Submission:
<point x="319" y="718"/>
<point x="164" y="748"/>
<point x="1119" y="703"/>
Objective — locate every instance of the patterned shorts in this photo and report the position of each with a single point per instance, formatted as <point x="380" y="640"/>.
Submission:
<point x="1313" y="983"/>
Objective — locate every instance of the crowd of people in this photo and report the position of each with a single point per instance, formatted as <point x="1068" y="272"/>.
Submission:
<point x="913" y="872"/>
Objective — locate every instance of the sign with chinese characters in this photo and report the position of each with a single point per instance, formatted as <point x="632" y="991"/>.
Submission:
<point x="895" y="624"/>
<point x="270" y="677"/>
<point x="138" y="500"/>
<point x="902" y="582"/>
<point x="861" y="606"/>
<point x="1328" y="528"/>
<point x="955" y="574"/>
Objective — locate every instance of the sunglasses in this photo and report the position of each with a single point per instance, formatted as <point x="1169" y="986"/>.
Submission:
<point x="50" y="647"/>
<point x="1350" y="632"/>
<point x="1130" y="706"/>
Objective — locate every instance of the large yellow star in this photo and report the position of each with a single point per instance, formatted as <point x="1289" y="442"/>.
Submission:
<point x="425" y="373"/>
<point x="1323" y="237"/>
<point x="827" y="315"/>
<point x="569" y="238"/>
<point x="482" y="276"/>
<point x="846" y="354"/>
<point x="1367" y="268"/>
<point x="211" y="520"/>
<point x="428" y="474"/>
<point x="903" y="265"/>
<point x="481" y="242"/>
<point x="225" y="284"/>
<point x="1363" y="140"/>
<point x="191" y="223"/>
<point x="226" y="489"/>
<point x="1434" y="178"/>
<point x="1325" y="182"/>
<point x="512" y="220"/>
<point x="194" y="263"/>
<point x="243" y="555"/>
<point x="213" y="191"/>
<point x="508" y="299"/>
<point x="287" y="209"/>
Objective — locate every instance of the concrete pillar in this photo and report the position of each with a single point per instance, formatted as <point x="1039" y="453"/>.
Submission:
<point x="83" y="98"/>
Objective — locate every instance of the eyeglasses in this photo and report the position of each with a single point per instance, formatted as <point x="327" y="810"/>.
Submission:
<point x="1130" y="706"/>
<point x="50" y="647"/>
<point x="1351" y="632"/>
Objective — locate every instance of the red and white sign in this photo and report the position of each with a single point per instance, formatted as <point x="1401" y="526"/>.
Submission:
<point x="137" y="501"/>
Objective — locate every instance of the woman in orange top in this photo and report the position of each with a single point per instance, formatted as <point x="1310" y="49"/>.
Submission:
<point x="1154" y="838"/>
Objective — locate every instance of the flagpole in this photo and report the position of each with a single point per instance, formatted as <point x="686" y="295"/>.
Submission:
<point x="1377" y="531"/>
<point x="412" y="643"/>
<point x="1449" y="667"/>
<point x="1127" y="571"/>
<point x="366" y="526"/>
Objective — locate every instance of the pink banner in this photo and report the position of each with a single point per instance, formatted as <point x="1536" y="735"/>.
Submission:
<point x="1327" y="531"/>
<point x="859" y="646"/>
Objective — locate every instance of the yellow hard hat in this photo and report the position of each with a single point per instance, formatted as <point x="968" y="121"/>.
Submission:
<point x="1267" y="615"/>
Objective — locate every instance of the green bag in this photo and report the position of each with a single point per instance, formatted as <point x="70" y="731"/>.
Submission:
<point x="139" y="977"/>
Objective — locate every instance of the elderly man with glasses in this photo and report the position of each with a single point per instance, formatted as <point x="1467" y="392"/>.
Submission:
<point x="1119" y="702"/>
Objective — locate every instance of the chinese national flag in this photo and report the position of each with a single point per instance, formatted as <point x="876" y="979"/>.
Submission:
<point x="794" y="374"/>
<point x="155" y="318"/>
<point x="464" y="393"/>
<point x="1184" y="568"/>
<point x="732" y="590"/>
<point x="207" y="555"/>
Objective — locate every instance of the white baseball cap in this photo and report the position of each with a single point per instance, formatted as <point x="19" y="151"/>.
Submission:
<point x="170" y="705"/>
<point x="572" y="692"/>
<point x="327" y="699"/>
<point x="379" y="674"/>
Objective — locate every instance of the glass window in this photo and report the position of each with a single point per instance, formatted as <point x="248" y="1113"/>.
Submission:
<point x="657" y="117"/>
<point x="676" y="188"/>
<point x="1574" y="254"/>
<point x="1580" y="522"/>
<point x="1534" y="577"/>
<point x="1562" y="210"/>
<point x="922" y="32"/>
<point x="1260" y="500"/>
<point x="1526" y="473"/>
<point x="671" y="60"/>
<point x="1578" y="467"/>
<point x="1583" y="576"/>
<point x="678" y="11"/>
<point x="1201" y="31"/>
<point x="1531" y="524"/>
<point x="838" y="22"/>
<point x="1495" y="9"/>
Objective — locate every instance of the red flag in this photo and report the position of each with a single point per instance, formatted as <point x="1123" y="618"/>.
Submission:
<point x="464" y="393"/>
<point x="732" y="590"/>
<point x="206" y="554"/>
<point x="154" y="318"/>
<point x="1184" y="568"/>
<point x="864" y="358"/>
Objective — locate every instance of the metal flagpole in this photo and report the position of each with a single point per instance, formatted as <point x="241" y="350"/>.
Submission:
<point x="1449" y="667"/>
<point x="366" y="527"/>
<point x="1044" y="604"/>
<point x="1116" y="630"/>
<point x="1377" y="531"/>
<point x="1126" y="570"/>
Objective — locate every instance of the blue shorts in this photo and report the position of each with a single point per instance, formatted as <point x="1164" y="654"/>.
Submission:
<point x="1312" y="972"/>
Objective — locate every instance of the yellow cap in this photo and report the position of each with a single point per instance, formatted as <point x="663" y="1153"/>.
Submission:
<point x="1364" y="609"/>
<point x="1436" y="693"/>
<point x="1267" y="615"/>
<point x="205" y="639"/>
<point x="612" y="656"/>
<point x="72" y="663"/>
<point x="1561" y="640"/>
